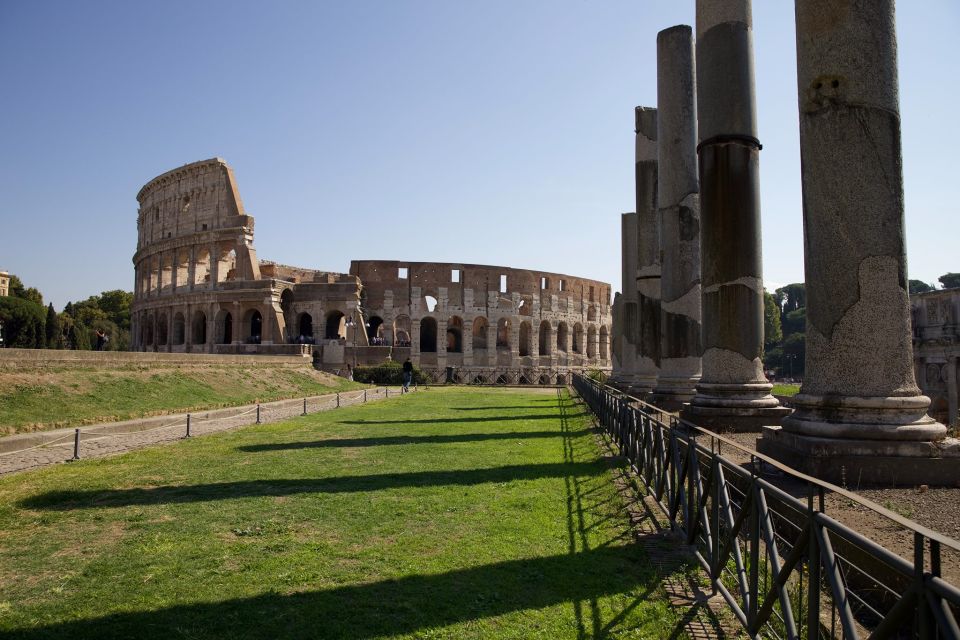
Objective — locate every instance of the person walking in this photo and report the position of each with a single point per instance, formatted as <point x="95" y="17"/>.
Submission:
<point x="407" y="374"/>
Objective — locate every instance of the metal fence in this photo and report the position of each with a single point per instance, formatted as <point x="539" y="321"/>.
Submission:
<point x="786" y="568"/>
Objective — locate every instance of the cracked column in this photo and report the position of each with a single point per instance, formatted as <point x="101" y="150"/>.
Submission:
<point x="859" y="413"/>
<point x="678" y="209"/>
<point x="733" y="393"/>
<point x="648" y="253"/>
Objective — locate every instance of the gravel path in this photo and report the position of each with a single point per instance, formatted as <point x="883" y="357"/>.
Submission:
<point x="97" y="441"/>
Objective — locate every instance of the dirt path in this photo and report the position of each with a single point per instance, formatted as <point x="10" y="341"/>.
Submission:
<point x="97" y="441"/>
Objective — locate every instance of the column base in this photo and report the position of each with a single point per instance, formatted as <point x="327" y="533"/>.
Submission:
<point x="733" y="419"/>
<point x="742" y="407"/>
<point x="855" y="463"/>
<point x="898" y="418"/>
<point x="671" y="394"/>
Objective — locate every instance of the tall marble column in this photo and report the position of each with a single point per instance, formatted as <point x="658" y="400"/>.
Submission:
<point x="625" y="307"/>
<point x="648" y="252"/>
<point x="678" y="208"/>
<point x="733" y="392"/>
<point x="859" y="408"/>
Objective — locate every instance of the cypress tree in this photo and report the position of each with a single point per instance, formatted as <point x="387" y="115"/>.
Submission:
<point x="53" y="328"/>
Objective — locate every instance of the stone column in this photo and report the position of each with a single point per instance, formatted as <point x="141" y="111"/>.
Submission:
<point x="859" y="402"/>
<point x="678" y="208"/>
<point x="952" y="391"/>
<point x="192" y="267"/>
<point x="625" y="306"/>
<point x="733" y="393"/>
<point x="648" y="252"/>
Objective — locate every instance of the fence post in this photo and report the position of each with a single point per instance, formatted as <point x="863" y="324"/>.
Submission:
<point x="76" y="444"/>
<point x="304" y="406"/>
<point x="338" y="400"/>
<point x="364" y="395"/>
<point x="387" y="391"/>
<point x="258" y="413"/>
<point x="188" y="426"/>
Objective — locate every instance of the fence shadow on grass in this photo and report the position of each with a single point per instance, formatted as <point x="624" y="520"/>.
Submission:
<point x="96" y="498"/>
<point x="403" y="440"/>
<point x="384" y="608"/>
<point x="454" y="419"/>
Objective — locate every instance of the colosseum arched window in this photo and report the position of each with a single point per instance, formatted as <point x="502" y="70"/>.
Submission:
<point x="503" y="333"/>
<point x="455" y="335"/>
<point x="525" y="332"/>
<point x="480" y="332"/>
<point x="428" y="335"/>
<point x="544" y="341"/>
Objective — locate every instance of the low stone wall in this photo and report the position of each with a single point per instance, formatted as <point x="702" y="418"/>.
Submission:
<point x="33" y="358"/>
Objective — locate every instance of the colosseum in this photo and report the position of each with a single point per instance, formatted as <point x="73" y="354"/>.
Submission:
<point x="200" y="288"/>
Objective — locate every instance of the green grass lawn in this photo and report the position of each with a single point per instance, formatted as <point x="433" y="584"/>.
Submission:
<point x="786" y="389"/>
<point x="50" y="399"/>
<point x="449" y="513"/>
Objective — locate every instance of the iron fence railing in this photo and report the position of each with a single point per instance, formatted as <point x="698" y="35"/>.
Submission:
<point x="785" y="568"/>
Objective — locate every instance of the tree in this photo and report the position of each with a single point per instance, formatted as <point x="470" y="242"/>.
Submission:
<point x="23" y="323"/>
<point x="792" y="296"/>
<point x="919" y="286"/>
<point x="772" y="329"/>
<point x="52" y="329"/>
<point x="950" y="280"/>
<point x="795" y="322"/>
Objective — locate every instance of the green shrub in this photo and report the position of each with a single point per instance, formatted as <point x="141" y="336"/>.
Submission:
<point x="387" y="373"/>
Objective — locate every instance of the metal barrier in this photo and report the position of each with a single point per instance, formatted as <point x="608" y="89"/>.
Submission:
<point x="785" y="568"/>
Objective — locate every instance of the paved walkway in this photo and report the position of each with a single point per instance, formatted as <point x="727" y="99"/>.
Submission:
<point x="29" y="451"/>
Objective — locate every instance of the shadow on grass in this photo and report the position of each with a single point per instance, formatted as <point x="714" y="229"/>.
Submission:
<point x="401" y="440"/>
<point x="385" y="608"/>
<point x="455" y="419"/>
<point x="519" y="406"/>
<point x="92" y="499"/>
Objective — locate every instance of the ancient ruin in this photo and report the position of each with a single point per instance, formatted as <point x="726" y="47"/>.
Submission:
<point x="4" y="284"/>
<point x="678" y="208"/>
<point x="201" y="288"/>
<point x="733" y="391"/>
<point x="936" y="350"/>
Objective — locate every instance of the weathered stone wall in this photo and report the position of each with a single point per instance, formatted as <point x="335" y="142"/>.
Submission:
<point x="481" y="316"/>
<point x="936" y="350"/>
<point x="199" y="288"/>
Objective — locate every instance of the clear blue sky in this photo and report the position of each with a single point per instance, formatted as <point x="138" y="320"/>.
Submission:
<point x="494" y="132"/>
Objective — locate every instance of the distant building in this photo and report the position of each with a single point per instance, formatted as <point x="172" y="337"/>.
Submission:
<point x="200" y="287"/>
<point x="4" y="284"/>
<point x="936" y="348"/>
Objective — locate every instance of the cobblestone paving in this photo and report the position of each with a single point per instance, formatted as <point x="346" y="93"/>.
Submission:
<point x="95" y="442"/>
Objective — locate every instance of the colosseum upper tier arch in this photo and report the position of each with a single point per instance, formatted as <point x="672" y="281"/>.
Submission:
<point x="199" y="287"/>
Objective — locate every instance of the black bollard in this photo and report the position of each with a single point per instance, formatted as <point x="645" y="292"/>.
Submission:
<point x="364" y="395"/>
<point x="258" y="413"/>
<point x="304" y="406"/>
<point x="76" y="444"/>
<point x="338" y="400"/>
<point x="188" y="426"/>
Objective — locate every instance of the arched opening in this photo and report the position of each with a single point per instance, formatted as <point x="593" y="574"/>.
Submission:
<point x="148" y="331"/>
<point x="305" y="328"/>
<point x="591" y="313"/>
<point x="562" y="337"/>
<point x="162" y="330"/>
<point x="335" y="326"/>
<point x="199" y="328"/>
<point x="503" y="333"/>
<point x="289" y="317"/>
<point x="591" y="341"/>
<point x="455" y="335"/>
<point x="226" y="337"/>
<point x="254" y="323"/>
<point x="544" y="341"/>
<point x="179" y="329"/>
<point x="479" y="333"/>
<point x="577" y="338"/>
<point x="428" y="335"/>
<point x="401" y="331"/>
<point x="524" y="339"/>
<point x="604" y="343"/>
<point x="375" y="330"/>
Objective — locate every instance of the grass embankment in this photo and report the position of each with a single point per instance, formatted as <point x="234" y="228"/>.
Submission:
<point x="49" y="398"/>
<point x="449" y="513"/>
<point x="785" y="389"/>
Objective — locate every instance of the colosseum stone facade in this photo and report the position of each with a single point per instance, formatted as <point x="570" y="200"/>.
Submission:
<point x="199" y="287"/>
